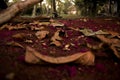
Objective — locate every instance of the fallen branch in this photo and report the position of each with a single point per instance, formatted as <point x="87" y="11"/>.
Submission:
<point x="16" y="8"/>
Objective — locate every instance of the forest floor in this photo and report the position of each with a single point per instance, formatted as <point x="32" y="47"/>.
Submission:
<point x="13" y="66"/>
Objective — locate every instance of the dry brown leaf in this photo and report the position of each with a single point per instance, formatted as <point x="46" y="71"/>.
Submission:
<point x="56" y="36"/>
<point x="28" y="41"/>
<point x="87" y="59"/>
<point x="13" y="43"/>
<point x="97" y="46"/>
<point x="41" y="34"/>
<point x="113" y="34"/>
<point x="37" y="28"/>
<point x="57" y="60"/>
<point x="16" y="27"/>
<point x="9" y="27"/>
<point x="57" y="24"/>
<point x="56" y="43"/>
<point x="30" y="57"/>
<point x="39" y="23"/>
<point x="19" y="35"/>
<point x="107" y="40"/>
<point x="116" y="49"/>
<point x="4" y="26"/>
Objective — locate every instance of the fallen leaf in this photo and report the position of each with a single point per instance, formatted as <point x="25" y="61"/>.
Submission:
<point x="56" y="43"/>
<point x="13" y="43"/>
<point x="3" y="26"/>
<point x="41" y="34"/>
<point x="54" y="60"/>
<point x="87" y="32"/>
<point x="97" y="46"/>
<point x="39" y="23"/>
<point x="56" y="36"/>
<point x="37" y="28"/>
<point x="30" y="57"/>
<point x="56" y="24"/>
<point x="28" y="41"/>
<point x="116" y="49"/>
<point x="107" y="40"/>
<point x="19" y="35"/>
<point x="113" y="34"/>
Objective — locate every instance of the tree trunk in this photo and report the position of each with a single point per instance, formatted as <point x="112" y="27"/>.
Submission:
<point x="55" y="15"/>
<point x="16" y="8"/>
<point x="3" y="4"/>
<point x="34" y="11"/>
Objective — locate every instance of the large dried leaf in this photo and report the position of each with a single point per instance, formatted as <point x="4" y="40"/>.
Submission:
<point x="87" y="59"/>
<point x="13" y="43"/>
<point x="41" y="34"/>
<point x="35" y="55"/>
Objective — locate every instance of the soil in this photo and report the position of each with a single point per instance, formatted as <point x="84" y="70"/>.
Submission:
<point x="14" y="67"/>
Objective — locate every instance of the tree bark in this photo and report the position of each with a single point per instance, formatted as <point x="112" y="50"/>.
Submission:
<point x="16" y="8"/>
<point x="34" y="11"/>
<point x="55" y="15"/>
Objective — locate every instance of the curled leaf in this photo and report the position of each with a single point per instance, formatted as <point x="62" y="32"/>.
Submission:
<point x="107" y="40"/>
<point x="87" y="59"/>
<point x="41" y="34"/>
<point x="50" y="59"/>
<point x="116" y="49"/>
<point x="56" y="36"/>
<point x="13" y="43"/>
